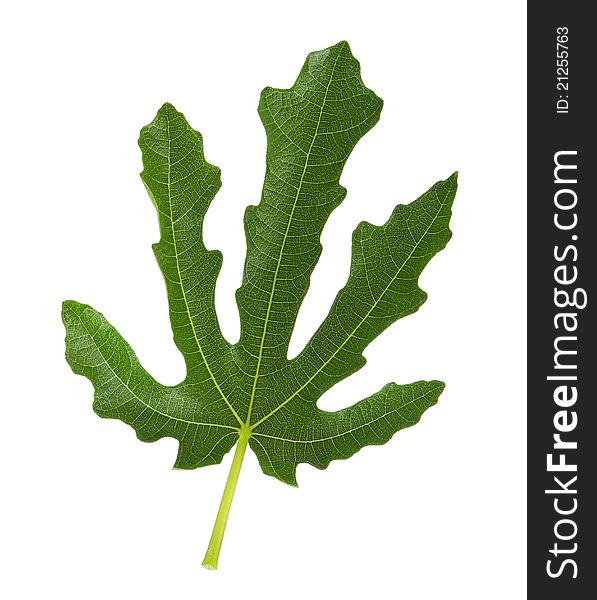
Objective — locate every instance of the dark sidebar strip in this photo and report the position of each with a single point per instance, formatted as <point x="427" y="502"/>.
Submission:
<point x="562" y="269"/>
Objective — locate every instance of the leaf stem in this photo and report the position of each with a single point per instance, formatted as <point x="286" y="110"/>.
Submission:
<point x="215" y="543"/>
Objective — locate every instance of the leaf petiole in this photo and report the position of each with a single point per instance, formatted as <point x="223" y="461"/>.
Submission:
<point x="215" y="543"/>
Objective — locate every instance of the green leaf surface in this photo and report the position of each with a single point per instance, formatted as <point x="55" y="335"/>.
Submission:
<point x="250" y="393"/>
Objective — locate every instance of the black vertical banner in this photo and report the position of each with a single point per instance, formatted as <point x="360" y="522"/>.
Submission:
<point x="562" y="300"/>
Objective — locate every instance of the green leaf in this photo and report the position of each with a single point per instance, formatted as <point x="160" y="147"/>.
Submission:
<point x="250" y="394"/>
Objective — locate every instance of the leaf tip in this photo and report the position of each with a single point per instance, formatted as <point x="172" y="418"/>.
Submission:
<point x="166" y="109"/>
<point x="342" y="45"/>
<point x="65" y="306"/>
<point x="436" y="389"/>
<point x="69" y="307"/>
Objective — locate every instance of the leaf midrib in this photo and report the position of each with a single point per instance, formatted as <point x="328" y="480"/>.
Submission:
<point x="127" y="387"/>
<point x="310" y="380"/>
<point x="283" y="245"/>
<point x="348" y="431"/>
<point x="182" y="288"/>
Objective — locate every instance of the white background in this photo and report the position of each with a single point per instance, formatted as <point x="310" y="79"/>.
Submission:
<point x="90" y="512"/>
